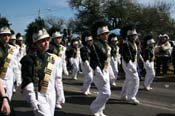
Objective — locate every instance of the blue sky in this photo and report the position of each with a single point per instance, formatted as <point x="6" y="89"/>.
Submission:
<point x="22" y="12"/>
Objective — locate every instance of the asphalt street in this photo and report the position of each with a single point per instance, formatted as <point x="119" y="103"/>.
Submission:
<point x="158" y="102"/>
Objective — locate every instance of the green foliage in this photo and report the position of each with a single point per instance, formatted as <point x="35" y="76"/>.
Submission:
<point x="34" y="27"/>
<point x="154" y="19"/>
<point x="4" y="22"/>
<point x="55" y="22"/>
<point x="53" y="29"/>
<point x="89" y="11"/>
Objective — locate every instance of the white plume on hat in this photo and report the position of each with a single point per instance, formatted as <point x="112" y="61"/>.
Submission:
<point x="114" y="39"/>
<point x="160" y="35"/>
<point x="75" y="43"/>
<point x="165" y="35"/>
<point x="20" y="38"/>
<point x="150" y="41"/>
<point x="88" y="38"/>
<point x="42" y="34"/>
<point x="56" y="34"/>
<point x="131" y="32"/>
<point x="13" y="37"/>
<point x="5" y="30"/>
<point x="102" y="30"/>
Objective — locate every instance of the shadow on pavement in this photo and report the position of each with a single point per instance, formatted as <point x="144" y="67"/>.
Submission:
<point x="24" y="113"/>
<point x="61" y="113"/>
<point x="165" y="114"/>
<point x="165" y="79"/>
<point x="19" y="103"/>
<point x="74" y="83"/>
<point x="116" y="88"/>
<point x="78" y="98"/>
<point x="57" y="113"/>
<point x="117" y="101"/>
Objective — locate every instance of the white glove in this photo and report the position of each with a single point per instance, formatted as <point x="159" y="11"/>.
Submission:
<point x="66" y="73"/>
<point x="34" y="105"/>
<point x="38" y="113"/>
<point x="71" y="61"/>
<point x="148" y="65"/>
<point x="87" y="66"/>
<point x="131" y="67"/>
<point x="18" y="83"/>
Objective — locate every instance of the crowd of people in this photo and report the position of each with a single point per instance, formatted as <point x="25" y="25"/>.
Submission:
<point x="39" y="73"/>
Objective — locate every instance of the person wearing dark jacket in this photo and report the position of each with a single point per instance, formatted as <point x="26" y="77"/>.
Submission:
<point x="100" y="61"/>
<point x="39" y="75"/>
<point x="129" y="63"/>
<point x="149" y="57"/>
<point x="85" y="64"/>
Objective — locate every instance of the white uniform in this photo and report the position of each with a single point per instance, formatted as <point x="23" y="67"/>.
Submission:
<point x="75" y="62"/>
<point x="88" y="77"/>
<point x="13" y="71"/>
<point x="149" y="57"/>
<point x="101" y="80"/>
<point x="22" y="51"/>
<point x="114" y="65"/>
<point x="131" y="83"/>
<point x="65" y="71"/>
<point x="59" y="84"/>
<point x="43" y="104"/>
<point x="150" y="73"/>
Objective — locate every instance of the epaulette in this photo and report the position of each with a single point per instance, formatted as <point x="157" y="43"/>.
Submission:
<point x="12" y="47"/>
<point x="17" y="46"/>
<point x="52" y="57"/>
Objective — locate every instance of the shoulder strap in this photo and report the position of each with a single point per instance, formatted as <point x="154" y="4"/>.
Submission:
<point x="48" y="71"/>
<point x="7" y="62"/>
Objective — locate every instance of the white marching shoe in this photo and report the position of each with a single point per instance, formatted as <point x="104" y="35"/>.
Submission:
<point x="102" y="114"/>
<point x="134" y="101"/>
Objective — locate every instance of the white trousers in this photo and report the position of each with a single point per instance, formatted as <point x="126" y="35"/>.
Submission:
<point x="101" y="80"/>
<point x="131" y="83"/>
<point x="111" y="75"/>
<point x="46" y="106"/>
<point x="60" y="98"/>
<point x="88" y="77"/>
<point x="150" y="73"/>
<point x="75" y="65"/>
<point x="114" y="66"/>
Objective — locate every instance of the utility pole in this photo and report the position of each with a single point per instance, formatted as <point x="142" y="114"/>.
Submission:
<point x="39" y="12"/>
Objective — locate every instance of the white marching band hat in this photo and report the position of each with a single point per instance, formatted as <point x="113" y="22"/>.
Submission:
<point x="102" y="30"/>
<point x="150" y="41"/>
<point x="5" y="30"/>
<point x="88" y="38"/>
<point x="56" y="34"/>
<point x="75" y="43"/>
<point x="114" y="39"/>
<point x="13" y="37"/>
<point x="131" y="32"/>
<point x="42" y="34"/>
<point x="161" y="36"/>
<point x="20" y="38"/>
<point x="165" y="35"/>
